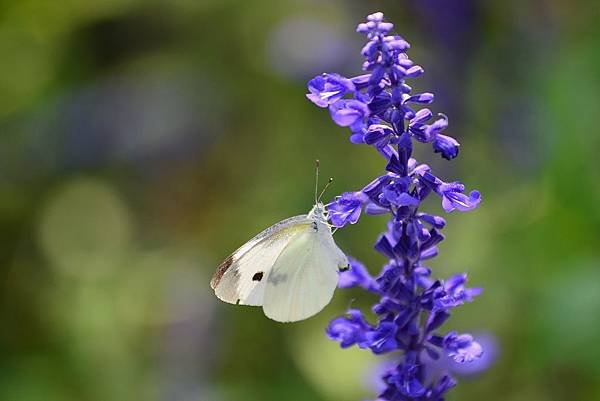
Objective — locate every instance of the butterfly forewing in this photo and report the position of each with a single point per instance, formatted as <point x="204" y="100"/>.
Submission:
<point x="242" y="277"/>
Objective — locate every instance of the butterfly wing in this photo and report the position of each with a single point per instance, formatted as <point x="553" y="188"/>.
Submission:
<point x="304" y="277"/>
<point x="242" y="277"/>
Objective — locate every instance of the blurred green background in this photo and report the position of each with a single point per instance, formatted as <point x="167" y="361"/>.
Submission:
<point x="142" y="141"/>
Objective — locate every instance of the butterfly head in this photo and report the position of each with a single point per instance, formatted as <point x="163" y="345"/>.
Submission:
<point x="318" y="212"/>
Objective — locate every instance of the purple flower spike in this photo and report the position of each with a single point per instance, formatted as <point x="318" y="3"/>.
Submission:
<point x="382" y="111"/>
<point x="347" y="112"/>
<point x="327" y="89"/>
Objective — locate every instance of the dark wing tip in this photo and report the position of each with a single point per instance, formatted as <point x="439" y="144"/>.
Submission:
<point x="223" y="267"/>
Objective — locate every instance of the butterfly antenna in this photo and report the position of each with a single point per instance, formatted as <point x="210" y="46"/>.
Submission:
<point x="316" y="180"/>
<point x="324" y="189"/>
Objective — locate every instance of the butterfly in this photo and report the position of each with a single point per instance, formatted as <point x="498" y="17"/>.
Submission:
<point x="290" y="269"/>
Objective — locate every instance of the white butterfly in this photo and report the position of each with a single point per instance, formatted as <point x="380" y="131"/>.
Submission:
<point x="290" y="269"/>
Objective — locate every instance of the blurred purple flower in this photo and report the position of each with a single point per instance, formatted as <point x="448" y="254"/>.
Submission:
<point x="491" y="351"/>
<point x="406" y="381"/>
<point x="462" y="348"/>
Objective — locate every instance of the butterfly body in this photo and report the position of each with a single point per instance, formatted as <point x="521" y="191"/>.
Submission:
<point x="290" y="269"/>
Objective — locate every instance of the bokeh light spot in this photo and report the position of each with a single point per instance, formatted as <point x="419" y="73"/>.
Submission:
<point x="84" y="229"/>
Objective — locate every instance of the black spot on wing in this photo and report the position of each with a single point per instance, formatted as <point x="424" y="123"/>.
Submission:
<point x="223" y="267"/>
<point x="257" y="276"/>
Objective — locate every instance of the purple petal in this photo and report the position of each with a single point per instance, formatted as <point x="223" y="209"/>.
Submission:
<point x="435" y="221"/>
<point x="346" y="208"/>
<point x="378" y="133"/>
<point x="462" y="348"/>
<point x="347" y="112"/>
<point x="421" y="116"/>
<point x="383" y="338"/>
<point x="491" y="347"/>
<point x="374" y="209"/>
<point x="459" y="201"/>
<point x="414" y="71"/>
<point x="375" y="17"/>
<point x="385" y="27"/>
<point x="327" y="89"/>
<point x="435" y="320"/>
<point x="361" y="81"/>
<point x="349" y="330"/>
<point x="438" y="126"/>
<point x="424" y="98"/>
<point x="445" y="145"/>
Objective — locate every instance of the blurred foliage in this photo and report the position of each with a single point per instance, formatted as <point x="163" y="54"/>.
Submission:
<point x="141" y="142"/>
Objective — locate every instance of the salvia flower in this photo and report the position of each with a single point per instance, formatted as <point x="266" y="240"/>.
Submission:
<point x="462" y="348"/>
<point x="446" y="145"/>
<point x="346" y="208"/>
<point x="381" y="111"/>
<point x="327" y="89"/>
<point x="348" y="112"/>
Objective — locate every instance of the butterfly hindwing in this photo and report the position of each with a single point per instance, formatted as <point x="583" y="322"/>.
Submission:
<point x="304" y="276"/>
